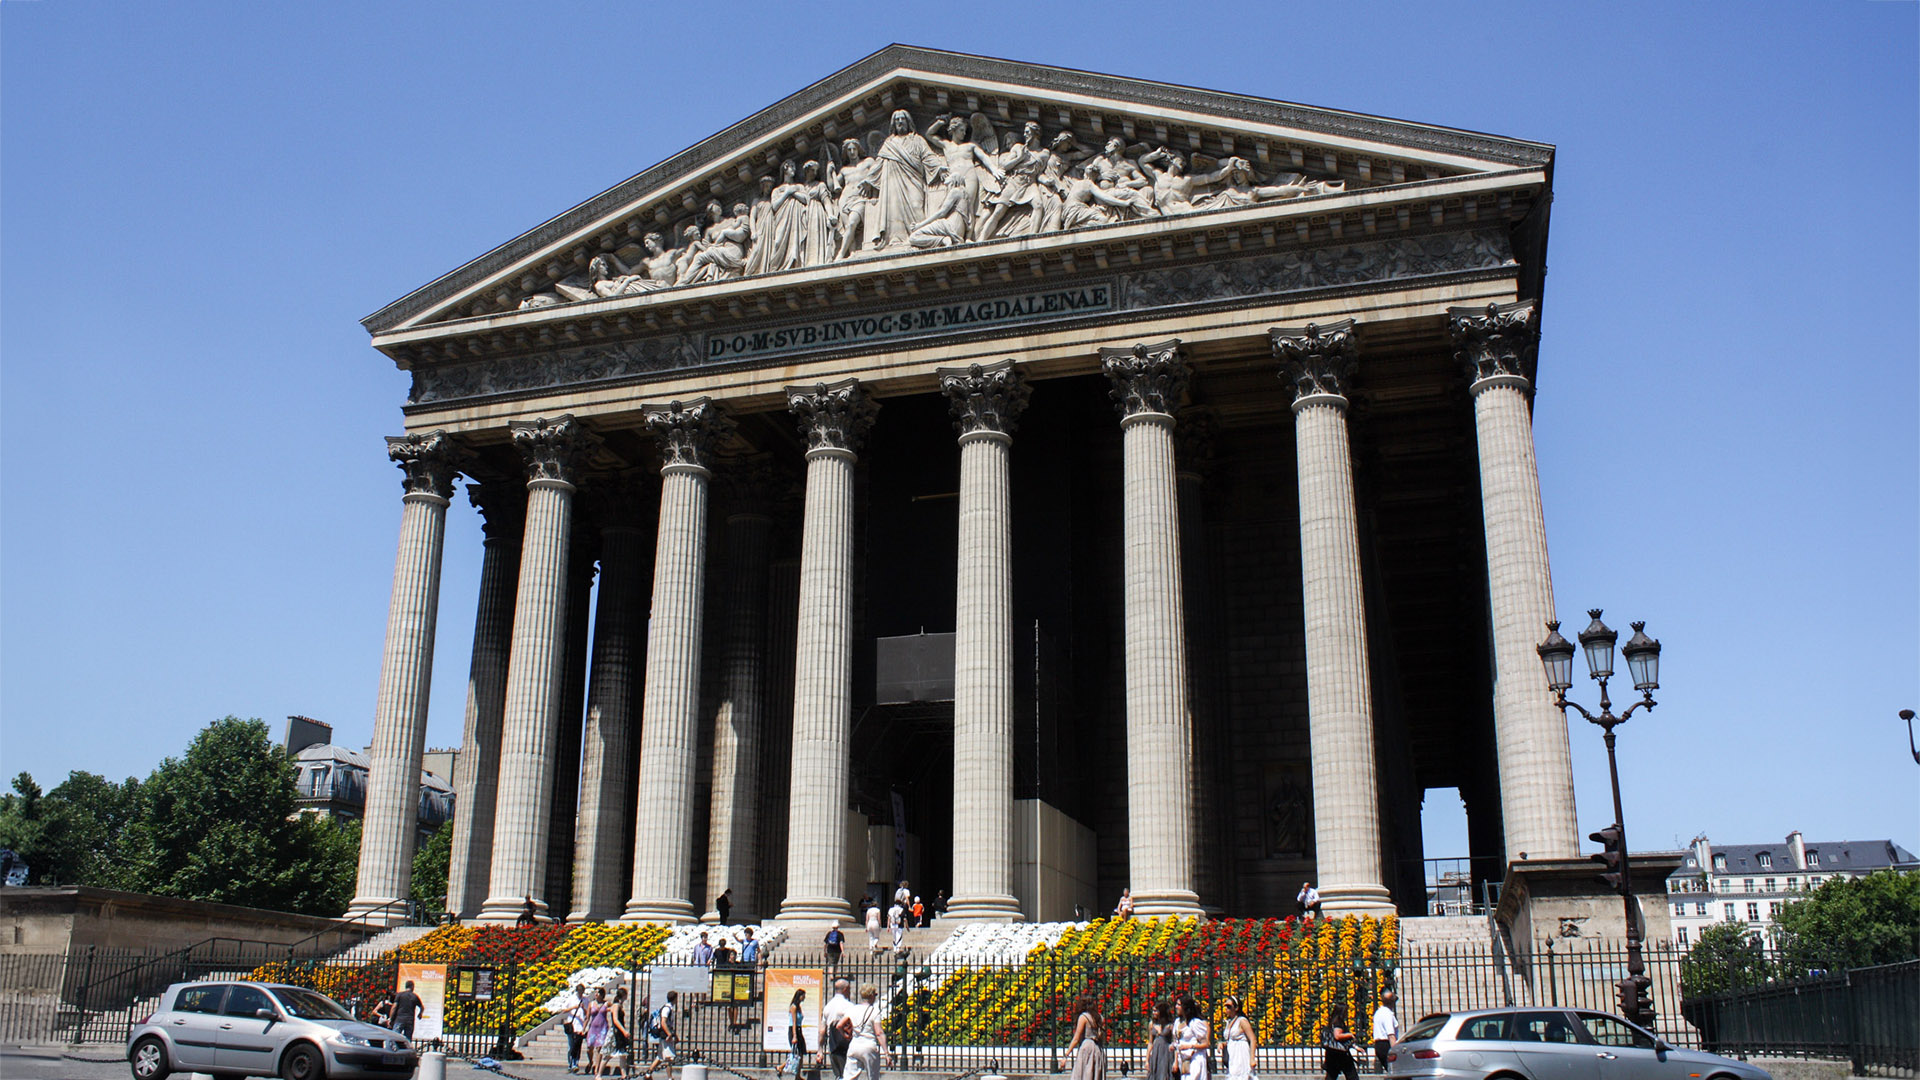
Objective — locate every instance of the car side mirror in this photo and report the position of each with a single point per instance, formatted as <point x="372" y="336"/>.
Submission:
<point x="1660" y="1046"/>
<point x="266" y="1014"/>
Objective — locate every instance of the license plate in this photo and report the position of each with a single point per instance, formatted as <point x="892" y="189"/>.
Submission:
<point x="396" y="1059"/>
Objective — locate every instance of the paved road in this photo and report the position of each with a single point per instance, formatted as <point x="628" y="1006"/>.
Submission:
<point x="99" y="1063"/>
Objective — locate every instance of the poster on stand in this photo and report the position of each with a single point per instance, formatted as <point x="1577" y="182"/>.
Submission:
<point x="780" y="984"/>
<point x="430" y="983"/>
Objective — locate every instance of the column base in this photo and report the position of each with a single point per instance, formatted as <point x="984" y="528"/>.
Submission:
<point x="1179" y="903"/>
<point x="1337" y="900"/>
<point x="574" y="918"/>
<point x="505" y="910"/>
<point x="376" y="910"/>
<point x="675" y="912"/>
<point x="815" y="909"/>
<point x="983" y="909"/>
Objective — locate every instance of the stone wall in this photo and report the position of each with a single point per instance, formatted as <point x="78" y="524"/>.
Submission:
<point x="52" y="920"/>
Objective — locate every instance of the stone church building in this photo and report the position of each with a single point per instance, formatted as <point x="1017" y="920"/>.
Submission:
<point x="1033" y="483"/>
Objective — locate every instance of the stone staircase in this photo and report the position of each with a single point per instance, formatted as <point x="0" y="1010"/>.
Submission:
<point x="379" y="944"/>
<point x="1445" y="967"/>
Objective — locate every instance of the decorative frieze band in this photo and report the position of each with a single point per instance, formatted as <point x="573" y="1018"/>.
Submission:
<point x="552" y="448"/>
<point x="985" y="397"/>
<point x="687" y="431"/>
<point x="1146" y="378"/>
<point x="1498" y="343"/>
<point x="429" y="461"/>
<point x="833" y="416"/>
<point x="1318" y="359"/>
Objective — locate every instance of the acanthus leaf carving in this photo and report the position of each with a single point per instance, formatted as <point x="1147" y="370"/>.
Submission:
<point x="833" y="416"/>
<point x="985" y="397"/>
<point x="1319" y="359"/>
<point x="1146" y="378"/>
<point x="428" y="460"/>
<point x="1497" y="343"/>
<point x="553" y="449"/>
<point x="687" y="431"/>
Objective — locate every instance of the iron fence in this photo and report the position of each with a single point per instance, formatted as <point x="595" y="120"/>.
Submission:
<point x="1869" y="1016"/>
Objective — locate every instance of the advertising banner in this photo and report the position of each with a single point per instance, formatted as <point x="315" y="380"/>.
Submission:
<point x="780" y="985"/>
<point x="430" y="982"/>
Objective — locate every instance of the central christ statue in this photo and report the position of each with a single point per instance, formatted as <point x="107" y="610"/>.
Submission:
<point x="906" y="161"/>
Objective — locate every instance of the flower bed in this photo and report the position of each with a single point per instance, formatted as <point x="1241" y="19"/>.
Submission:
<point x="1293" y="978"/>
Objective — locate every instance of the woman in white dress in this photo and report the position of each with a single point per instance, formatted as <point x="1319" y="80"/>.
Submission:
<point x="1239" y="1040"/>
<point x="869" y="1047"/>
<point x="1195" y="1037"/>
<point x="873" y="927"/>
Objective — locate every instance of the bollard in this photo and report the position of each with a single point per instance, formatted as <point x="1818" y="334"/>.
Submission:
<point x="693" y="1070"/>
<point x="433" y="1066"/>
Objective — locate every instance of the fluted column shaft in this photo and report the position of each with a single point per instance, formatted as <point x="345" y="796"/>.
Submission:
<point x="1536" y="767"/>
<point x="832" y="419"/>
<point x="392" y="820"/>
<point x="477" y="772"/>
<point x="985" y="402"/>
<point x="733" y="829"/>
<point x="1160" y="843"/>
<point x="606" y="774"/>
<point x="669" y="734"/>
<point x="534" y="674"/>
<point x="1346" y="818"/>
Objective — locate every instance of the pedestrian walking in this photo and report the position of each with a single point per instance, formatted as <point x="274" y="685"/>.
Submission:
<point x="383" y="1012"/>
<point x="407" y="1007"/>
<point x="622" y="1023"/>
<point x="873" y="928"/>
<point x="869" y="1049"/>
<point x="836" y="1029"/>
<point x="1089" y="1057"/>
<point x="723" y="904"/>
<point x="897" y="922"/>
<point x="919" y="912"/>
<point x="576" y="1027"/>
<point x="1337" y="1055"/>
<point x="599" y="1031"/>
<point x="1194" y="1040"/>
<point x="1240" y="1040"/>
<point x="1386" y="1030"/>
<point x="1309" y="899"/>
<point x="939" y="903"/>
<point x="665" y="1032"/>
<point x="1161" y="1033"/>
<point x="796" y="1035"/>
<point x="903" y="895"/>
<point x="833" y="941"/>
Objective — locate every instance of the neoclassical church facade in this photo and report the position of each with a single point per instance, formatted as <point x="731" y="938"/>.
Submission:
<point x="1034" y="483"/>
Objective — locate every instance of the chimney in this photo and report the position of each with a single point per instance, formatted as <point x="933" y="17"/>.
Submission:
<point x="1797" y="845"/>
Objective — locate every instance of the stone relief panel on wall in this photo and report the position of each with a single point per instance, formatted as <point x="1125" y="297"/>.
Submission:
<point x="899" y="188"/>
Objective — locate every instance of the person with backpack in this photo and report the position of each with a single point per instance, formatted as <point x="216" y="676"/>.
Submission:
<point x="661" y="1029"/>
<point x="576" y="1028"/>
<point x="836" y="1028"/>
<point x="834" y="940"/>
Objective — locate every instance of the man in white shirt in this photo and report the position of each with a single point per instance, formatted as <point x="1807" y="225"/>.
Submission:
<point x="897" y="922"/>
<point x="1386" y="1030"/>
<point x="1309" y="899"/>
<point x="836" y="1016"/>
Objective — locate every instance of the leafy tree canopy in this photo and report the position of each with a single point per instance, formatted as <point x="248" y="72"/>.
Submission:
<point x="1853" y="922"/>
<point x="1726" y="957"/>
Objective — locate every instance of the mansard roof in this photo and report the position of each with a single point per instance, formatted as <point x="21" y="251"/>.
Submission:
<point x="1363" y="151"/>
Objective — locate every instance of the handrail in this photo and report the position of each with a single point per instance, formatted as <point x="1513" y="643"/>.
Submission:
<point x="363" y="922"/>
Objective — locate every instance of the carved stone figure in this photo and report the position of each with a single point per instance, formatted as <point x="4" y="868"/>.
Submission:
<point x="1241" y="191"/>
<point x="1022" y="203"/>
<point x="611" y="277"/>
<point x="1062" y="155"/>
<point x="786" y="237"/>
<point x="818" y="243"/>
<point x="947" y="224"/>
<point x="965" y="159"/>
<point x="662" y="266"/>
<point x="1172" y="186"/>
<point x="722" y="253"/>
<point x="906" y="160"/>
<point x="759" y="222"/>
<point x="854" y="184"/>
<point x="1088" y="202"/>
<point x="1128" y="183"/>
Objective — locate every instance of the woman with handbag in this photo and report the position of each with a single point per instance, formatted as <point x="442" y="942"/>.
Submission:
<point x="1084" y="1049"/>
<point x="1195" y="1039"/>
<point x="796" y="1036"/>
<point x="869" y="1047"/>
<point x="1239" y="1039"/>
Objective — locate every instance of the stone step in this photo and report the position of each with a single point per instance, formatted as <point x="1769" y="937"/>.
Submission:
<point x="382" y="943"/>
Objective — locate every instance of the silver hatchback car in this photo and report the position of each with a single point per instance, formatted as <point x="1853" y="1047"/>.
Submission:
<point x="1549" y="1044"/>
<point x="233" y="1029"/>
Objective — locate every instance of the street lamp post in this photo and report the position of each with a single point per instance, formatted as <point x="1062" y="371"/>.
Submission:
<point x="1643" y="661"/>
<point x="1907" y="715"/>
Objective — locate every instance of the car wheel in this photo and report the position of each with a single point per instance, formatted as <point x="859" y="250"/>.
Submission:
<point x="149" y="1059"/>
<point x="303" y="1062"/>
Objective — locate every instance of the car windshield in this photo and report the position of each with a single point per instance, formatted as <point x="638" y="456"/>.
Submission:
<point x="307" y="1005"/>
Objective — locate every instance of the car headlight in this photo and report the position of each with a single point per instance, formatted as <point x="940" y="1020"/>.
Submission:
<point x="352" y="1040"/>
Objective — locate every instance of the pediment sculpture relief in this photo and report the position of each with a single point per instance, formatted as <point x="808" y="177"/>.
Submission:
<point x="902" y="189"/>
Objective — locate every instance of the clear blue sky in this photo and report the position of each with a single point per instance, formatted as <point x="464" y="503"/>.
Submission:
<point x="200" y="201"/>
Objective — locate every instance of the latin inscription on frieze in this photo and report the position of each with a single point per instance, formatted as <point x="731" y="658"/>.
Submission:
<point x="908" y="322"/>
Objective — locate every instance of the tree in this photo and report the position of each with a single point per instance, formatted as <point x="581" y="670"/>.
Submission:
<point x="1852" y="922"/>
<point x="430" y="870"/>
<point x="74" y="834"/>
<point x="1726" y="957"/>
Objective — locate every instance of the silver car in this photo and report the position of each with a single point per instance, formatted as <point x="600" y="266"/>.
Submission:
<point x="1549" y="1044"/>
<point x="233" y="1029"/>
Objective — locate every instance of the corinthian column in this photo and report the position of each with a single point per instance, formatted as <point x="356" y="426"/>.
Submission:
<point x="986" y="402"/>
<point x="392" y="821"/>
<point x="521" y="818"/>
<point x="600" y="877"/>
<point x="669" y="737"/>
<point x="733" y="818"/>
<point x="1148" y="381"/>
<point x="1498" y="344"/>
<point x="833" y="418"/>
<point x="476" y="775"/>
<point x="1319" y="360"/>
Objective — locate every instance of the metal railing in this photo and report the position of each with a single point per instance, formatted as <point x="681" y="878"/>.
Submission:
<point x="1868" y="1016"/>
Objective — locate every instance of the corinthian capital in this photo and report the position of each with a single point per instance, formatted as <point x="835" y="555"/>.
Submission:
<point x="430" y="460"/>
<point x="503" y="509"/>
<point x="554" y="449"/>
<point x="1146" y="378"/>
<point x="1498" y="343"/>
<point x="687" y="431"/>
<point x="1318" y="359"/>
<point x="985" y="397"/>
<point x="832" y="416"/>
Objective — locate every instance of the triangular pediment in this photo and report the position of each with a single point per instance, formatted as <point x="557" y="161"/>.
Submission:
<point x="647" y="238"/>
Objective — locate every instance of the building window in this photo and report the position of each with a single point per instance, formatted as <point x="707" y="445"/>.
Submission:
<point x="1766" y="861"/>
<point x="1679" y="909"/>
<point x="1730" y="915"/>
<point x="1773" y="909"/>
<point x="1753" y="911"/>
<point x="1813" y="858"/>
<point x="1814" y="881"/>
<point x="1726" y="884"/>
<point x="1681" y="935"/>
<point x="1699" y="909"/>
<point x="1747" y="885"/>
<point x="1793" y="884"/>
<point x="1770" y="883"/>
<point x="1720" y="862"/>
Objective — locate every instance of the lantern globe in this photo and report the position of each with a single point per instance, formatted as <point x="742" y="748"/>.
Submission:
<point x="1643" y="659"/>
<point x="1556" y="655"/>
<point x="1597" y="641"/>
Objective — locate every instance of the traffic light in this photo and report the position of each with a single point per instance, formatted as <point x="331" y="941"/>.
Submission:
<point x="1612" y="857"/>
<point x="1635" y="999"/>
